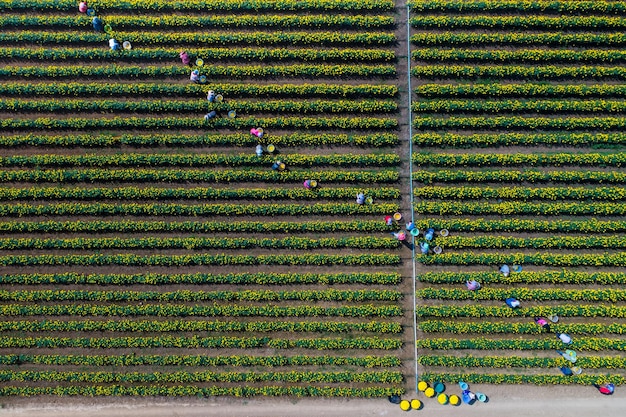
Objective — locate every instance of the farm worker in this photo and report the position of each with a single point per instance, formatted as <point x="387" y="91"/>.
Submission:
<point x="97" y="24"/>
<point x="569" y="355"/>
<point x="259" y="150"/>
<point x="388" y="220"/>
<point x="505" y="270"/>
<point x="565" y="338"/>
<point x="253" y="131"/>
<point x="543" y="323"/>
<point x="400" y="236"/>
<point x="428" y="235"/>
<point x="360" y="199"/>
<point x="470" y="394"/>
<point x="606" y="389"/>
<point x="185" y="58"/>
<point x="278" y="165"/>
<point x="210" y="96"/>
<point x="410" y="226"/>
<point x="566" y="371"/>
<point x="307" y="184"/>
<point x="195" y="76"/>
<point x="512" y="302"/>
<point x="424" y="247"/>
<point x="210" y="115"/>
<point x="472" y="285"/>
<point x="114" y="45"/>
<point x="82" y="7"/>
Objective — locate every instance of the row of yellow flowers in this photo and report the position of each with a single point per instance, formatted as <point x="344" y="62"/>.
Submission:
<point x="224" y="295"/>
<point x="193" y="140"/>
<point x="174" y="209"/>
<point x="477" y="140"/>
<point x="199" y="326"/>
<point x="257" y="278"/>
<point x="203" y="360"/>
<point x="177" y="22"/>
<point x="248" y="342"/>
<point x="189" y="390"/>
<point x="179" y="310"/>
<point x="322" y="90"/>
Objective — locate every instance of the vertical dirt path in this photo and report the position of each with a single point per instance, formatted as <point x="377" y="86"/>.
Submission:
<point x="404" y="150"/>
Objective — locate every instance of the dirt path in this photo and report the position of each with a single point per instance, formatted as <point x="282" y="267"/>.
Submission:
<point x="503" y="401"/>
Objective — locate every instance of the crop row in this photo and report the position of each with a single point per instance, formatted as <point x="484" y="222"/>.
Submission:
<point x="299" y="243"/>
<point x="197" y="175"/>
<point x="523" y="105"/>
<point x="129" y="259"/>
<point x="209" y="54"/>
<point x="195" y="296"/>
<point x="257" y="278"/>
<point x="562" y="310"/>
<point x="230" y="90"/>
<point x="178" y="22"/>
<point x="519" y="193"/>
<point x="201" y="342"/>
<point x="130" y="6"/>
<point x="201" y="360"/>
<point x="186" y="141"/>
<point x="204" y="38"/>
<point x="519" y="225"/>
<point x="519" y="328"/>
<point x="197" y="326"/>
<point x="549" y="259"/>
<point x="534" y="379"/>
<point x="193" y="391"/>
<point x="101" y="209"/>
<point x="152" y="193"/>
<point x="525" y="294"/>
<point x="141" y="226"/>
<point x="594" y="56"/>
<point x="389" y="377"/>
<point x="198" y="123"/>
<point x="453" y="140"/>
<point x="526" y="7"/>
<point x="203" y="159"/>
<point x="157" y="106"/>
<point x="599" y="23"/>
<point x="448" y="39"/>
<point x="516" y="159"/>
<point x="586" y="362"/>
<point x="211" y="71"/>
<point x="581" y="344"/>
<point x="534" y="72"/>
<point x="521" y="208"/>
<point x="552" y="242"/>
<point x="520" y="123"/>
<point x="533" y="176"/>
<point x="226" y="243"/>
<point x="515" y="90"/>
<point x="561" y="277"/>
<point x="176" y="310"/>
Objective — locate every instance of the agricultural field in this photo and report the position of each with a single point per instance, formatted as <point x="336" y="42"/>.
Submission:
<point x="519" y="152"/>
<point x="147" y="251"/>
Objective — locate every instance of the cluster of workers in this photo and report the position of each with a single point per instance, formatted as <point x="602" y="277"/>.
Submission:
<point x="427" y="235"/>
<point x="99" y="26"/>
<point x="258" y="132"/>
<point x="544" y="322"/>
